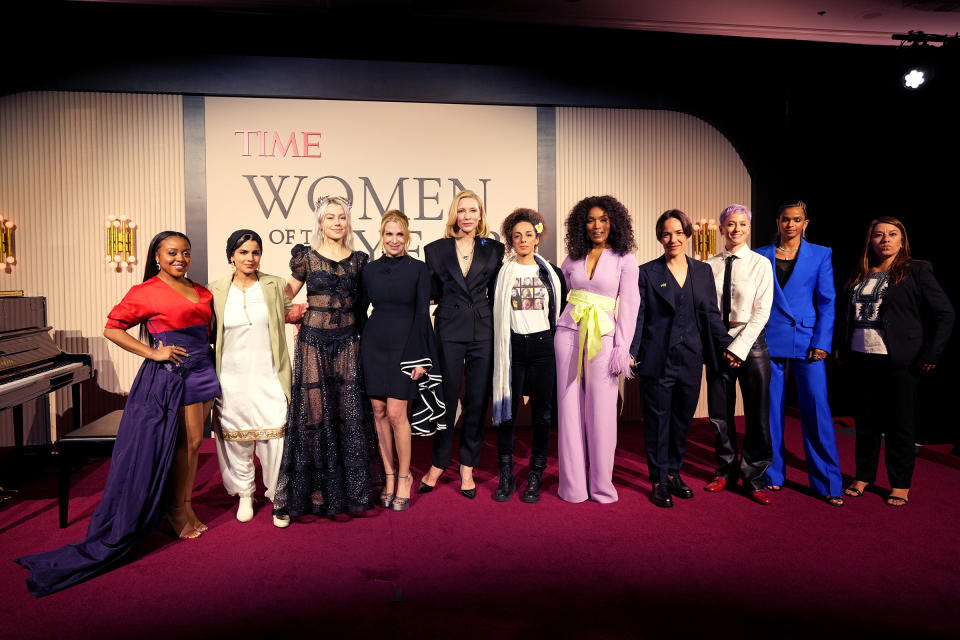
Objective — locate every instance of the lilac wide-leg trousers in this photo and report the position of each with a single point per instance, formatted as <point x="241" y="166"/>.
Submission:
<point x="587" y="420"/>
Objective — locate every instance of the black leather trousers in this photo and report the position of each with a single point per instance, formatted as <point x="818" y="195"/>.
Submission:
<point x="754" y="377"/>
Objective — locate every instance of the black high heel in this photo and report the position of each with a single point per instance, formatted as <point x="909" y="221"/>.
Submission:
<point x="423" y="487"/>
<point x="467" y="493"/>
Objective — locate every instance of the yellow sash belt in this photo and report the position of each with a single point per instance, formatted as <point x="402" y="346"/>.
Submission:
<point x="590" y="313"/>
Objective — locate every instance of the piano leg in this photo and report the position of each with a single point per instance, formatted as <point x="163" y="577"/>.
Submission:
<point x="18" y="432"/>
<point x="63" y="487"/>
<point x="75" y="390"/>
<point x="12" y="482"/>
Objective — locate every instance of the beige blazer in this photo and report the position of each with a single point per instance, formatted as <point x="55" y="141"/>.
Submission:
<point x="277" y="304"/>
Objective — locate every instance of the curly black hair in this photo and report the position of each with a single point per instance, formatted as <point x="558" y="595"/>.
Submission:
<point x="518" y="216"/>
<point x="621" y="229"/>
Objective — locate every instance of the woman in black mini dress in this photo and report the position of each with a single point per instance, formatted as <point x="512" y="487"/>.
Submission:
<point x="396" y="350"/>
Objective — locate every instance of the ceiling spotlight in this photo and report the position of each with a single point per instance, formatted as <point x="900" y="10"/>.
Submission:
<point x="914" y="78"/>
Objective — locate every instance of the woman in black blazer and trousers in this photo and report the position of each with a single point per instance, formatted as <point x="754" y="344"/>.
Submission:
<point x="463" y="269"/>
<point x="898" y="322"/>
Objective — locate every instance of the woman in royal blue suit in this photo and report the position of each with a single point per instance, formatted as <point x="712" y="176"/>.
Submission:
<point x="800" y="333"/>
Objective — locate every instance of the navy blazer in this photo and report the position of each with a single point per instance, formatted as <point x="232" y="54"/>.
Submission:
<point x="917" y="317"/>
<point x="464" y="305"/>
<point x="802" y="315"/>
<point x="655" y="317"/>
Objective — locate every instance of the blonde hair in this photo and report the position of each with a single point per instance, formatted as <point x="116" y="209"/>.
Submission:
<point x="322" y="205"/>
<point x="452" y="229"/>
<point x="395" y="215"/>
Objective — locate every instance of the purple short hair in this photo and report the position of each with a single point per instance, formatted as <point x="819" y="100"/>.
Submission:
<point x="735" y="208"/>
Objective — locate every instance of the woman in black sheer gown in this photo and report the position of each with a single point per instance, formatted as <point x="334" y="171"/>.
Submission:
<point x="330" y="461"/>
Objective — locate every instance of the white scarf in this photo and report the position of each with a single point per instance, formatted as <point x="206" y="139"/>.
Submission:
<point x="502" y="357"/>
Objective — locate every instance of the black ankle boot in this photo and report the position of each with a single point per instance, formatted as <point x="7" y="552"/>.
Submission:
<point x="508" y="483"/>
<point x="531" y="493"/>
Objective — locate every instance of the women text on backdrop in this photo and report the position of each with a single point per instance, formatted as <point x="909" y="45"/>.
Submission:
<point x="744" y="282"/>
<point x="592" y="345"/>
<point x="463" y="270"/>
<point x="162" y="424"/>
<point x="526" y="305"/>
<point x="678" y="329"/>
<point x="799" y="336"/>
<point x="398" y="351"/>
<point x="897" y="323"/>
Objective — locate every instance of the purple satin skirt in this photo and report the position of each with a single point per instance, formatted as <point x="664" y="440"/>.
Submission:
<point x="134" y="498"/>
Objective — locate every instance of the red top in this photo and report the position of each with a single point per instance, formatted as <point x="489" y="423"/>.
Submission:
<point x="155" y="302"/>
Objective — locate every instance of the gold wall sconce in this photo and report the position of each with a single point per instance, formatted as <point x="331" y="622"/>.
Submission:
<point x="121" y="242"/>
<point x="704" y="238"/>
<point x="8" y="246"/>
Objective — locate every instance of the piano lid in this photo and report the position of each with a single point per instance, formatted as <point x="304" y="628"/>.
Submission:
<point x="23" y="348"/>
<point x="22" y="313"/>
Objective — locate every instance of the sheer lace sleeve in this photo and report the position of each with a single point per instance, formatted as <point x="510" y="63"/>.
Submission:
<point x="299" y="262"/>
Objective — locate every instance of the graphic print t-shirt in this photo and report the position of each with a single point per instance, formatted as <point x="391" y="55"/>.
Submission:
<point x="529" y="301"/>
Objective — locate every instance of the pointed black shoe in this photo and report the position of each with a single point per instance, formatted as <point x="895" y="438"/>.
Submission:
<point x="508" y="484"/>
<point x="423" y="487"/>
<point x="467" y="493"/>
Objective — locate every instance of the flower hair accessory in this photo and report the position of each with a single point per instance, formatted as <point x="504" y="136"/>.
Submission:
<point x="539" y="228"/>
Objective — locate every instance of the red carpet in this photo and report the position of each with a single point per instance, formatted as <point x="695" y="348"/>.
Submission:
<point x="716" y="566"/>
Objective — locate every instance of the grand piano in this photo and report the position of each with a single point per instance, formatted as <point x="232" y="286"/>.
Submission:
<point x="31" y="364"/>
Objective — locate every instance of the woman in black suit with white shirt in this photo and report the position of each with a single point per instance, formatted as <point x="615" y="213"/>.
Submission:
<point x="463" y="269"/>
<point x="898" y="322"/>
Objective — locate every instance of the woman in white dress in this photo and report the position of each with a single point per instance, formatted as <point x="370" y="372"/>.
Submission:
<point x="253" y="365"/>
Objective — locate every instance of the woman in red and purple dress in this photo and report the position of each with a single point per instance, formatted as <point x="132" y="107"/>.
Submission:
<point x="162" y="425"/>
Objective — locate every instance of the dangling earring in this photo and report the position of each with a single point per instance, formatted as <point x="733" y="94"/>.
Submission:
<point x="233" y="266"/>
<point x="157" y="262"/>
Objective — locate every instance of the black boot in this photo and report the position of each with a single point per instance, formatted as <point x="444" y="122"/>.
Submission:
<point x="508" y="483"/>
<point x="531" y="493"/>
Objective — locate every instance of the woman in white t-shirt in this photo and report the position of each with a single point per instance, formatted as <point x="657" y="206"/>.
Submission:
<point x="529" y="295"/>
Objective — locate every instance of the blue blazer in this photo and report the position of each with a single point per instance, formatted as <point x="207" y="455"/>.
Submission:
<point x="802" y="315"/>
<point x="655" y="317"/>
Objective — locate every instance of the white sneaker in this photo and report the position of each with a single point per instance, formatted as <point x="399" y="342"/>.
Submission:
<point x="281" y="521"/>
<point x="245" y="510"/>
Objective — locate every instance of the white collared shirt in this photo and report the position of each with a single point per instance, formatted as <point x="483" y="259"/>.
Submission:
<point x="751" y="295"/>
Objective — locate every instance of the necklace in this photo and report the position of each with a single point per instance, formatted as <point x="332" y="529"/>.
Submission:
<point x="779" y="248"/>
<point x="464" y="256"/>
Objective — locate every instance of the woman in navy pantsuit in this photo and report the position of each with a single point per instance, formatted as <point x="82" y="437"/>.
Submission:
<point x="799" y="334"/>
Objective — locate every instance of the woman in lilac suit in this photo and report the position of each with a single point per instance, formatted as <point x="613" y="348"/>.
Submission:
<point x="800" y="332"/>
<point x="592" y="345"/>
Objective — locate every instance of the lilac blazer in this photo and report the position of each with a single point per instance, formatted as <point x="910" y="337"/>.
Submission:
<point x="615" y="277"/>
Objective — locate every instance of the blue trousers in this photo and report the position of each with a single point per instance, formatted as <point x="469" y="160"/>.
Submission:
<point x="819" y="439"/>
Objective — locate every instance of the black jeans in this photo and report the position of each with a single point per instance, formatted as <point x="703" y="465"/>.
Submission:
<point x="754" y="377"/>
<point x="533" y="372"/>
<point x="885" y="404"/>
